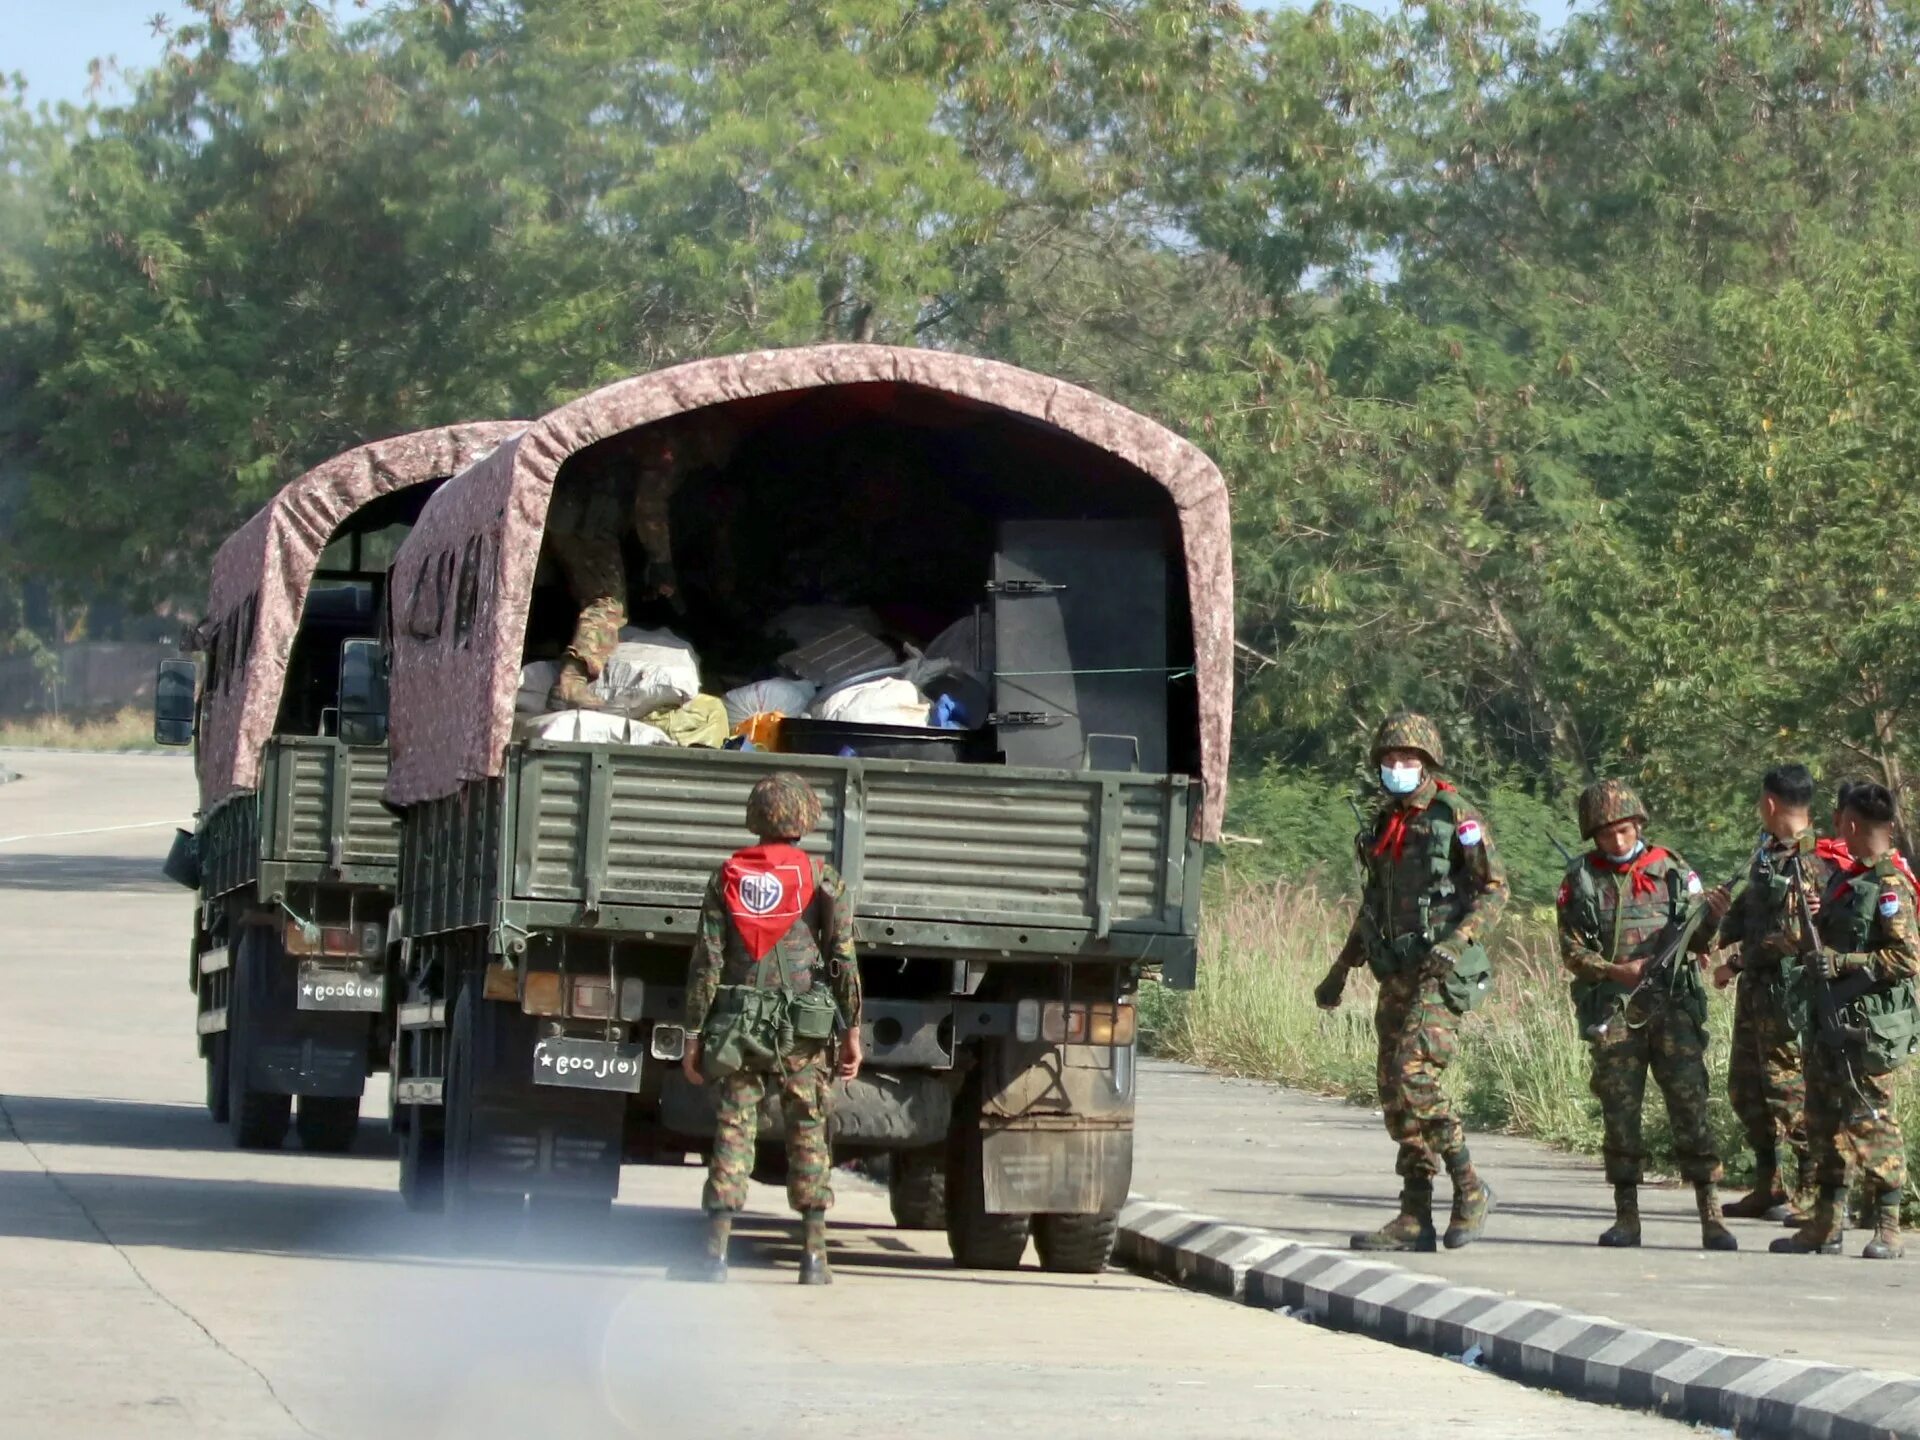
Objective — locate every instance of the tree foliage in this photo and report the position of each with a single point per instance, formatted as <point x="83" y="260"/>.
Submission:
<point x="1564" y="381"/>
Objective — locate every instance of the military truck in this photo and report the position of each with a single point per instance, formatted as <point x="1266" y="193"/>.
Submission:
<point x="293" y="856"/>
<point x="1011" y="890"/>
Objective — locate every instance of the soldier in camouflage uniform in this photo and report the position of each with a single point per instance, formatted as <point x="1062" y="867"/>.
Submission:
<point x="1621" y="906"/>
<point x="1433" y="886"/>
<point x="774" y="920"/>
<point x="632" y="485"/>
<point x="1869" y="955"/>
<point x="1764" y="1080"/>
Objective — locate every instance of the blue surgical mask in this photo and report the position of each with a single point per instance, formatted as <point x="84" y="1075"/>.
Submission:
<point x="1401" y="779"/>
<point x="1631" y="855"/>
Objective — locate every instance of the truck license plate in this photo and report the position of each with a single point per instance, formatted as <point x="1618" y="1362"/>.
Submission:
<point x="336" y="986"/>
<point x="588" y="1064"/>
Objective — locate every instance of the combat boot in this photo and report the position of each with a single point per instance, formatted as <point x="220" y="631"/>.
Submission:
<point x="1824" y="1230"/>
<point x="814" y="1269"/>
<point x="711" y="1267"/>
<point x="1624" y="1233"/>
<point x="1885" y="1244"/>
<point x="1799" y="1207"/>
<point x="1473" y="1202"/>
<point x="1412" y="1229"/>
<point x="1767" y="1195"/>
<point x="1714" y="1234"/>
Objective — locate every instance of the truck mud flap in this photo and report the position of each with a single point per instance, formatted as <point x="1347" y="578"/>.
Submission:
<point x="538" y="1139"/>
<point x="319" y="1060"/>
<point x="881" y="1109"/>
<point x="1056" y="1171"/>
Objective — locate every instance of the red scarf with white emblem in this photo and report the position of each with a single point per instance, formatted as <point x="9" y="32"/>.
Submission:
<point x="766" y="889"/>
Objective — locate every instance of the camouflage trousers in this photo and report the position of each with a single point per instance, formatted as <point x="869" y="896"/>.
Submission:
<point x="1419" y="1035"/>
<point x="1674" y="1046"/>
<point x="1845" y="1136"/>
<point x="596" y="577"/>
<point x="803" y="1079"/>
<point x="1764" y="1080"/>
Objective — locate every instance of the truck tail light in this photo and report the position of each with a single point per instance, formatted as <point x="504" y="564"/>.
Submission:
<point x="1026" y="1021"/>
<point x="540" y="995"/>
<point x="373" y="939"/>
<point x="1100" y="1023"/>
<point x="592" y="998"/>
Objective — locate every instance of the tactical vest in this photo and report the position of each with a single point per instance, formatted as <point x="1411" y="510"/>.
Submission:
<point x="1768" y="906"/>
<point x="1888" y="1014"/>
<point x="763" y="1008"/>
<point x="1410" y="902"/>
<point x="1633" y="931"/>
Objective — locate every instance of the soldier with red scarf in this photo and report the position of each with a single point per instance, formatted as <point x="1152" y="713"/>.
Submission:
<point x="1434" y="886"/>
<point x="1621" y="905"/>
<point x="772" y="977"/>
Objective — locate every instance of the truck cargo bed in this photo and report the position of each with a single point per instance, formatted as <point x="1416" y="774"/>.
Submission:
<point x="317" y="816"/>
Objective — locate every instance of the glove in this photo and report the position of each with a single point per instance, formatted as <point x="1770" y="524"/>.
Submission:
<point x="1831" y="965"/>
<point x="1328" y="992"/>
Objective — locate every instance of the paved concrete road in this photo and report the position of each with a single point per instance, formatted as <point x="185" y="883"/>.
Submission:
<point x="159" y="1283"/>
<point x="1319" y="1170"/>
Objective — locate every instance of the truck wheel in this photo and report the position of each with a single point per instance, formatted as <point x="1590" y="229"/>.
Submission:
<point x="327" y="1124"/>
<point x="258" y="1118"/>
<point x="467" y="1209"/>
<point x="1075" y="1244"/>
<point x="978" y="1239"/>
<point x="917" y="1188"/>
<point x="423" y="1160"/>
<point x="217" y="1076"/>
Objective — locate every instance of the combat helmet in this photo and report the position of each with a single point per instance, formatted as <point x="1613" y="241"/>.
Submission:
<point x="782" y="807"/>
<point x="1605" y="802"/>
<point x="1404" y="730"/>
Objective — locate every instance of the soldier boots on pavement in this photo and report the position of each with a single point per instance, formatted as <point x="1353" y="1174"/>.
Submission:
<point x="1410" y="1230"/>
<point x="1473" y="1201"/>
<point x="1825" y="1228"/>
<point x="1886" y="1244"/>
<point x="1768" y="1195"/>
<point x="1714" y="1234"/>
<point x="1624" y="1233"/>
<point x="711" y="1266"/>
<point x="814" y="1269"/>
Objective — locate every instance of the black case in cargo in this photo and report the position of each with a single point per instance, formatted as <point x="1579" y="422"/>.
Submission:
<point x="1080" y="644"/>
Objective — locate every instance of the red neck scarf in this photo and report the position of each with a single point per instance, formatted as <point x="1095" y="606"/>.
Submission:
<point x="1394" y="838"/>
<point x="1642" y="883"/>
<point x="766" y="889"/>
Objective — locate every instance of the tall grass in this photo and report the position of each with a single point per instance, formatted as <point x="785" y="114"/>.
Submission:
<point x="1522" y="1067"/>
<point x="128" y="729"/>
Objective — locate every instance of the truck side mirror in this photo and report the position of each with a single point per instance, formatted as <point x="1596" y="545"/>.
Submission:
<point x="173" y="695"/>
<point x="363" y="693"/>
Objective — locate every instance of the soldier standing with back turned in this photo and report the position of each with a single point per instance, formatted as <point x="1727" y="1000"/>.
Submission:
<point x="772" y="979"/>
<point x="1433" y="887"/>
<point x="1624" y="905"/>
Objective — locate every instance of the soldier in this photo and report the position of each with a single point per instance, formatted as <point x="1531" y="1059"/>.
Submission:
<point x="1625" y="907"/>
<point x="1433" y="886"/>
<point x="1854" y="998"/>
<point x="1764" y="1080"/>
<point x="773" y="976"/>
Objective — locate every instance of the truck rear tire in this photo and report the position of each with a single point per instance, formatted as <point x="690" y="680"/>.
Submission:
<point x="217" y="1076"/>
<point x="423" y="1160"/>
<point x="258" y="1118"/>
<point x="468" y="1210"/>
<point x="1075" y="1244"/>
<point x="978" y="1239"/>
<point x="327" y="1124"/>
<point x="917" y="1188"/>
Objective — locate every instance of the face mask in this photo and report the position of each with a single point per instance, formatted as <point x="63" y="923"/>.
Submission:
<point x="1630" y="856"/>
<point x="1400" y="779"/>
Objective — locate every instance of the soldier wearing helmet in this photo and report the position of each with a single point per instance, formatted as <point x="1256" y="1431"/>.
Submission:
<point x="1433" y="885"/>
<point x="1626" y="907"/>
<point x="773" y="979"/>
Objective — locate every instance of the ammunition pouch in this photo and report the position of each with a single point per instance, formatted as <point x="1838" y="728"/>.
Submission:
<point x="1889" y="1018"/>
<point x="1468" y="980"/>
<point x="751" y="1029"/>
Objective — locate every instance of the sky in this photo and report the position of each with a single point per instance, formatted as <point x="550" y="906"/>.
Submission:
<point x="50" y="42"/>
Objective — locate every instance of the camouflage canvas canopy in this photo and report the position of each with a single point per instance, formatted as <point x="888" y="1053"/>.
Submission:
<point x="454" y="685"/>
<point x="262" y="574"/>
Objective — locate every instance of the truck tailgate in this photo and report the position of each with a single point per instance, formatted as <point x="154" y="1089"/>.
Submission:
<point x="956" y="844"/>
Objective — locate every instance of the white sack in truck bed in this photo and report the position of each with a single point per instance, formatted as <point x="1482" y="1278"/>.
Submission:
<point x="649" y="670"/>
<point x="891" y="701"/>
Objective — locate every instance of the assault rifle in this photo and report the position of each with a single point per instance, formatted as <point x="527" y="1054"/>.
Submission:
<point x="1830" y="999"/>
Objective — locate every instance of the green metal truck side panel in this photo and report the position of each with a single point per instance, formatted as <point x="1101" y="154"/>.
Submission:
<point x="316" y="817"/>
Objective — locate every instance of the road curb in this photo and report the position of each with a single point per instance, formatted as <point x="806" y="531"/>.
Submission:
<point x="1587" y="1356"/>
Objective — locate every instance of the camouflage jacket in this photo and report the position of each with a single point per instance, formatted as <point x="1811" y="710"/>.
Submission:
<point x="1430" y="866"/>
<point x="1611" y="913"/>
<point x="1868" y="910"/>
<point x="1764" y="919"/>
<point x="720" y="957"/>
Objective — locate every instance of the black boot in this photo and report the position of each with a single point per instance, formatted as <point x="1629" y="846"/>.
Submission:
<point x="1825" y="1229"/>
<point x="814" y="1269"/>
<point x="1714" y="1234"/>
<point x="1768" y="1193"/>
<point x="711" y="1267"/>
<point x="1410" y="1230"/>
<point x="1624" y="1233"/>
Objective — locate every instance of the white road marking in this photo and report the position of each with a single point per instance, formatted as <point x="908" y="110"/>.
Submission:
<point x="97" y="830"/>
